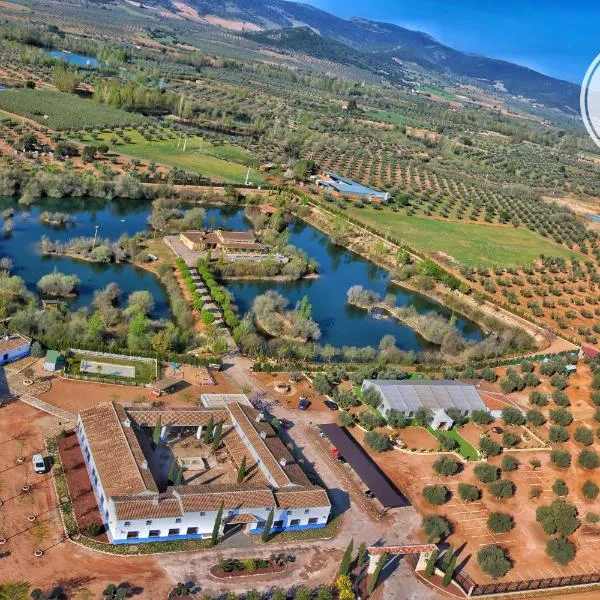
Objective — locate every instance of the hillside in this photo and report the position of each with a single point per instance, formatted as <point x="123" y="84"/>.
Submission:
<point x="378" y="45"/>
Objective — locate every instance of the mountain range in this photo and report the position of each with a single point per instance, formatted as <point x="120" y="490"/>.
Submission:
<point x="374" y="45"/>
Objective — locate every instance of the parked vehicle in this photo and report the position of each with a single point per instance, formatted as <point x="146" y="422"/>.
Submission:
<point x="39" y="464"/>
<point x="369" y="494"/>
<point x="304" y="403"/>
<point x="331" y="405"/>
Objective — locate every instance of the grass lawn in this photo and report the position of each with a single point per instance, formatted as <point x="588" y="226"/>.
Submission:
<point x="465" y="449"/>
<point x="145" y="371"/>
<point x="225" y="163"/>
<point x="469" y="243"/>
<point x="390" y="117"/>
<point x="439" y="92"/>
<point x="65" y="111"/>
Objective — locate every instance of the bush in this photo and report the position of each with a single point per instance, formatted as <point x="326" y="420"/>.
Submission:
<point x="538" y="398"/>
<point x="494" y="561"/>
<point x="535" y="417"/>
<point x="482" y="417"/>
<point x="488" y="447"/>
<point x="468" y="492"/>
<point x="500" y="522"/>
<point x="397" y="419"/>
<point x="377" y="441"/>
<point x="509" y="463"/>
<point x="436" y="528"/>
<point x="590" y="490"/>
<point x="369" y="420"/>
<point x="345" y="419"/>
<point x="486" y="472"/>
<point x="503" y="488"/>
<point x="513" y="416"/>
<point x="559" y="382"/>
<point x="446" y="442"/>
<point x="561" y="458"/>
<point x="560" y="488"/>
<point x="560" y="517"/>
<point x="94" y="529"/>
<point x="561" y="399"/>
<point x="445" y="465"/>
<point x="510" y="439"/>
<point x="560" y="550"/>
<point x="322" y="384"/>
<point x="588" y="459"/>
<point x="535" y="491"/>
<point x="584" y="435"/>
<point x="436" y="494"/>
<point x="558" y="433"/>
<point x="560" y="416"/>
<point x="423" y="417"/>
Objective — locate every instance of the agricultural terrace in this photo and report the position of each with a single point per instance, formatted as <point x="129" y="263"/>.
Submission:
<point x="470" y="244"/>
<point x="97" y="367"/>
<point x="535" y="495"/>
<point x="65" y="111"/>
<point x="163" y="145"/>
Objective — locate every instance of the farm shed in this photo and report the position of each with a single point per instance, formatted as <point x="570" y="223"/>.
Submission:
<point x="53" y="361"/>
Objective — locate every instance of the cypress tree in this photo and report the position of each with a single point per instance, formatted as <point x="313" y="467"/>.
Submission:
<point x="362" y="554"/>
<point x="375" y="577"/>
<point x="217" y="436"/>
<point x="179" y="475"/>
<point x="430" y="565"/>
<point x="156" y="433"/>
<point x="215" y="534"/>
<point x="242" y="470"/>
<point x="208" y="432"/>
<point x="266" y="534"/>
<point x="346" y="559"/>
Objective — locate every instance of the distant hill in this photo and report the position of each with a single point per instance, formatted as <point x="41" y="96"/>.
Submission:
<point x="375" y="46"/>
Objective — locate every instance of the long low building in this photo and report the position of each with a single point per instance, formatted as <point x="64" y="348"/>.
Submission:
<point x="223" y="242"/>
<point x="438" y="396"/>
<point x="135" y="507"/>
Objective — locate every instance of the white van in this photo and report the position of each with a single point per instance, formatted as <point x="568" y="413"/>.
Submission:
<point x="39" y="466"/>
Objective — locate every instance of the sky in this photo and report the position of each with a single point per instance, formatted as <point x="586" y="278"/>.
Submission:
<point x="556" y="37"/>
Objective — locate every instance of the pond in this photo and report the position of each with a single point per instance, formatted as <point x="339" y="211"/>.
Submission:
<point x="339" y="269"/>
<point x="78" y="60"/>
<point x="112" y="218"/>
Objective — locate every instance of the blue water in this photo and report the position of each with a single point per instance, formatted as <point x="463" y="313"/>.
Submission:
<point x="339" y="269"/>
<point x="79" y="60"/>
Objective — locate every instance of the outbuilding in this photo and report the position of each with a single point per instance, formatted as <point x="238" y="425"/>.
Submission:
<point x="53" y="361"/>
<point x="13" y="347"/>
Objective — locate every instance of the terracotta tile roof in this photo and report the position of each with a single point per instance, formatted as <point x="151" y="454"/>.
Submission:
<point x="302" y="497"/>
<point x="183" y="417"/>
<point x="235" y="236"/>
<point x="245" y="418"/>
<point x="209" y="497"/>
<point x="242" y="518"/>
<point x="296" y="474"/>
<point x="10" y="342"/>
<point x="115" y="462"/>
<point x="237" y="450"/>
<point x="130" y="508"/>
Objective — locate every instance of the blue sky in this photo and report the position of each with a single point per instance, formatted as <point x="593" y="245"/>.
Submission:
<point x="556" y="37"/>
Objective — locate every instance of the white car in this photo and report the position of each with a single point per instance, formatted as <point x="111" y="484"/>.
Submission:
<point x="39" y="465"/>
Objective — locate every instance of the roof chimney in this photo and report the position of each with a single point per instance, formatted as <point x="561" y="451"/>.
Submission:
<point x="282" y="461"/>
<point x="263" y="435"/>
<point x="127" y="422"/>
<point x="260" y="417"/>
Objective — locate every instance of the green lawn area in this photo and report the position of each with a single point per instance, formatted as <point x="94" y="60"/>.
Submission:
<point x="145" y="371"/>
<point x="65" y="111"/>
<point x="469" y="243"/>
<point x="439" y="92"/>
<point x="465" y="449"/>
<point x="390" y="117"/>
<point x="225" y="163"/>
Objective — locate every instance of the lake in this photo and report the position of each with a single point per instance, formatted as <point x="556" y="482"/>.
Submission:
<point x="78" y="60"/>
<point x="339" y="269"/>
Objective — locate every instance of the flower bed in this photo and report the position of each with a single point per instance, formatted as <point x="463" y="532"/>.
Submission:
<point x="229" y="568"/>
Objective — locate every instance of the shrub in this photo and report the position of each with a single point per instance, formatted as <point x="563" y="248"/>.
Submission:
<point x="482" y="417"/>
<point x="486" y="472"/>
<point x="369" y="420"/>
<point x="584" y="435"/>
<point x="488" y="447"/>
<point x="559" y="382"/>
<point x="558" y="433"/>
<point x="509" y="463"/>
<point x="538" y="398"/>
<point x="436" y="527"/>
<point x="436" y="494"/>
<point x="345" y="419"/>
<point x="94" y="529"/>
<point x="560" y="416"/>
<point x="535" y="417"/>
<point x="377" y="441"/>
<point x="500" y="522"/>
<point x="560" y="488"/>
<point x="468" y="492"/>
<point x="494" y="561"/>
<point x="588" y="459"/>
<point x="560" y="550"/>
<point x="560" y="517"/>
<point x="513" y="416"/>
<point x="590" y="490"/>
<point x="423" y="417"/>
<point x="535" y="491"/>
<point x="397" y="419"/>
<point x="446" y="442"/>
<point x="503" y="488"/>
<point x="510" y="439"/>
<point x="445" y="465"/>
<point x="561" y="399"/>
<point x="561" y="458"/>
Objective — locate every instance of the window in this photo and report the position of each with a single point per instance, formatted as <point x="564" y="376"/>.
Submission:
<point x="313" y="520"/>
<point x="154" y="533"/>
<point x="127" y="524"/>
<point x="192" y="530"/>
<point x="132" y="534"/>
<point x="148" y="522"/>
<point x="202" y="514"/>
<point x="177" y="520"/>
<point x="306" y="511"/>
<point x="260" y="524"/>
<point x="294" y="522"/>
<point x="230" y="513"/>
<point x="277" y="524"/>
<point x="173" y="531"/>
<point x="289" y="512"/>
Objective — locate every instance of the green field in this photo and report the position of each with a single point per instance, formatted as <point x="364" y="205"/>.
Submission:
<point x="439" y="92"/>
<point x="225" y="163"/>
<point x="389" y="117"/>
<point x="145" y="371"/>
<point x="469" y="243"/>
<point x="64" y="111"/>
